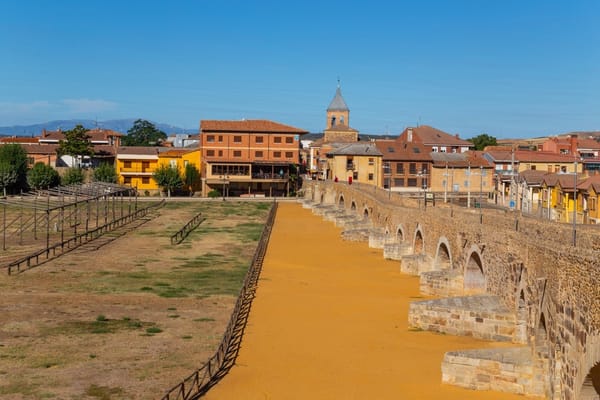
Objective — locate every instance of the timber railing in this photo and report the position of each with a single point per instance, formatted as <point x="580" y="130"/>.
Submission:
<point x="205" y="377"/>
<point x="187" y="228"/>
<point x="73" y="242"/>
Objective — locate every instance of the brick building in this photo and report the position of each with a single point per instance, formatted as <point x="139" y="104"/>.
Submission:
<point x="249" y="157"/>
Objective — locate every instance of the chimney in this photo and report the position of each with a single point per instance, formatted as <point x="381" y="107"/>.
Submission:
<point x="574" y="145"/>
<point x="456" y="136"/>
<point x="409" y="135"/>
<point x="44" y="133"/>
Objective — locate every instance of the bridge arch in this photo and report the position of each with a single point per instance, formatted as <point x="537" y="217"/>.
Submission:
<point x="474" y="277"/>
<point x="400" y="233"/>
<point x="353" y="206"/>
<point x="418" y="241"/>
<point x="443" y="256"/>
<point x="589" y="377"/>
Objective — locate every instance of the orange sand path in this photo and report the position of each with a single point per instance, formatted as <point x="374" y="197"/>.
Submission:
<point x="330" y="322"/>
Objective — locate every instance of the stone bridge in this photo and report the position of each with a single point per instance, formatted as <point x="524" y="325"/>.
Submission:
<point x="494" y="275"/>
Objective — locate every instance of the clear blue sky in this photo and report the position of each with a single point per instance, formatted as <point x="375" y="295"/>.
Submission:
<point x="509" y="68"/>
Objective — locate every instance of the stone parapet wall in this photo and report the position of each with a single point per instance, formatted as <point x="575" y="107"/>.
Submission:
<point x="482" y="317"/>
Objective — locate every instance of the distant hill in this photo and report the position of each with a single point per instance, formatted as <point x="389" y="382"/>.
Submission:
<point x="119" y="125"/>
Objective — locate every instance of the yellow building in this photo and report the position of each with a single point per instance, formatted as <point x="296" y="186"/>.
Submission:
<point x="355" y="162"/>
<point x="135" y="166"/>
<point x="180" y="159"/>
<point x="558" y="197"/>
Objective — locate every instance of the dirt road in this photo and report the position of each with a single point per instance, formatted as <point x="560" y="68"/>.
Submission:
<point x="330" y="322"/>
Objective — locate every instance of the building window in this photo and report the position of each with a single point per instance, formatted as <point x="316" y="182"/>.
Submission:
<point x="220" y="138"/>
<point x="185" y="163"/>
<point x="355" y="175"/>
<point x="258" y="139"/>
<point x="30" y="160"/>
<point x="370" y="176"/>
<point x="386" y="167"/>
<point x="145" y="180"/>
<point x="173" y="163"/>
<point x="424" y="168"/>
<point x="258" y="154"/>
<point x="289" y="139"/>
<point x="443" y="150"/>
<point x="400" y="168"/>
<point x="210" y="153"/>
<point x="412" y="182"/>
<point x="386" y="183"/>
<point x="237" y="139"/>
<point x="127" y="180"/>
<point x="220" y="153"/>
<point x="533" y="167"/>
<point x="127" y="164"/>
<point x="371" y="161"/>
<point x="434" y="149"/>
<point x="289" y="154"/>
<point x="592" y="204"/>
<point x="145" y="165"/>
<point x="277" y="154"/>
<point x="399" y="182"/>
<point x="237" y="153"/>
<point x="412" y="169"/>
<point x="277" y="139"/>
<point x="210" y="138"/>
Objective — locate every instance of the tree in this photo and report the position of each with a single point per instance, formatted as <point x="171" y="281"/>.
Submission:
<point x="8" y="176"/>
<point x="42" y="176"/>
<point x="105" y="173"/>
<point x="73" y="176"/>
<point x="191" y="176"/>
<point x="14" y="155"/>
<point x="76" y="144"/>
<point x="483" y="140"/>
<point x="143" y="133"/>
<point x="168" y="178"/>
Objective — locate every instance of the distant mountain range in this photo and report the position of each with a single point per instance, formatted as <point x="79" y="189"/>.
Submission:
<point x="119" y="125"/>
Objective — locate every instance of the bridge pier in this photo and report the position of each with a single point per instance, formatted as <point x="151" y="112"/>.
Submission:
<point x="396" y="250"/>
<point x="447" y="282"/>
<point x="416" y="264"/>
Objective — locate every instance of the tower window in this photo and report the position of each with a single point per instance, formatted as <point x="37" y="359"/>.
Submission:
<point x="342" y="120"/>
<point x="333" y="121"/>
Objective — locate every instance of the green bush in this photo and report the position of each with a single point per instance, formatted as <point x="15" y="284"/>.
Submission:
<point x="73" y="176"/>
<point x="214" y="193"/>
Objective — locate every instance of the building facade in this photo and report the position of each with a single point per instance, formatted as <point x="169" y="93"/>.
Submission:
<point x="249" y="157"/>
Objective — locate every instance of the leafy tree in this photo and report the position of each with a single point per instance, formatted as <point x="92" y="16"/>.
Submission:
<point x="191" y="177"/>
<point x="73" y="176"/>
<point x="8" y="176"/>
<point x="13" y="154"/>
<point x="483" y="140"/>
<point x="168" y="178"/>
<point x="76" y="144"/>
<point x="105" y="173"/>
<point x="143" y="133"/>
<point x="42" y="176"/>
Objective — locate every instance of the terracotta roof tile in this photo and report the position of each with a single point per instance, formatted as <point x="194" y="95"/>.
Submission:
<point x="137" y="150"/>
<point x="256" y="125"/>
<point x="432" y="136"/>
<point x="19" y="139"/>
<point x="392" y="150"/>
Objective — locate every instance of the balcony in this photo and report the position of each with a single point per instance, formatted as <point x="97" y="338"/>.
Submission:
<point x="136" y="171"/>
<point x="350" y="166"/>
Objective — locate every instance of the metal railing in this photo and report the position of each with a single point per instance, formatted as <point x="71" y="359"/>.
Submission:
<point x="72" y="243"/>
<point x="187" y="228"/>
<point x="198" y="383"/>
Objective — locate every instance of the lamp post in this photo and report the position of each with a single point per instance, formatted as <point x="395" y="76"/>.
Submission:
<point x="224" y="179"/>
<point x="469" y="186"/>
<point x="425" y="188"/>
<point x="575" y="206"/>
<point x="480" y="193"/>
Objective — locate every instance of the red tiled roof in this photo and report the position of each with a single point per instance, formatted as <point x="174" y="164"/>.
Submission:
<point x="175" y="152"/>
<point x="137" y="150"/>
<point x="250" y="125"/>
<point x="32" y="148"/>
<point x="588" y="144"/>
<point x="393" y="150"/>
<point x="19" y="139"/>
<point x="432" y="136"/>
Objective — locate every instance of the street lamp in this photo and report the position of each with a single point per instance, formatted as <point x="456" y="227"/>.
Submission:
<point x="575" y="205"/>
<point x="480" y="193"/>
<point x="224" y="179"/>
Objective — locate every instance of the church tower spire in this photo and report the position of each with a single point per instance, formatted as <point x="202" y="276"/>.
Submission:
<point x="338" y="112"/>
